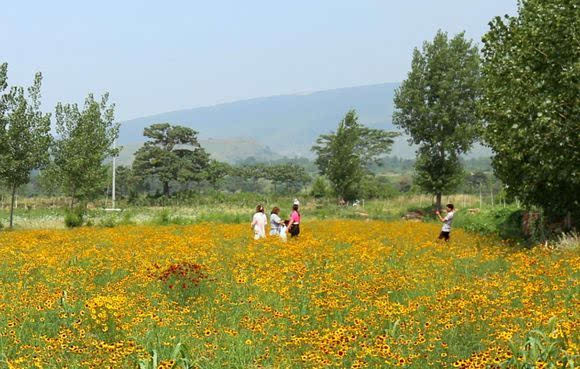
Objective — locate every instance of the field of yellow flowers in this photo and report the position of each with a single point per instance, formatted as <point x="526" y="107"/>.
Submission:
<point x="346" y="294"/>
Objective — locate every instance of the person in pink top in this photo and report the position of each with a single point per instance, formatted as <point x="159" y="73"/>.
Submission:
<point x="294" y="223"/>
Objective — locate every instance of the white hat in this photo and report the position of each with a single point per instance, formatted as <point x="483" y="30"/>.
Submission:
<point x="296" y="202"/>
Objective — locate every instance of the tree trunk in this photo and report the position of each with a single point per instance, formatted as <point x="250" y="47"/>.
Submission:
<point x="438" y="201"/>
<point x="12" y="205"/>
<point x="72" y="197"/>
<point x="166" y="189"/>
<point x="568" y="221"/>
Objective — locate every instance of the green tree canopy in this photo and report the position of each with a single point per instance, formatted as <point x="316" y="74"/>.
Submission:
<point x="436" y="107"/>
<point x="290" y="175"/>
<point x="24" y="135"/>
<point x="531" y="103"/>
<point x="345" y="155"/>
<point x="85" y="139"/>
<point x="216" y="171"/>
<point x="173" y="153"/>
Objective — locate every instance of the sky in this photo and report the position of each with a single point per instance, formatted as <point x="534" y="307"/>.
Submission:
<point x="153" y="56"/>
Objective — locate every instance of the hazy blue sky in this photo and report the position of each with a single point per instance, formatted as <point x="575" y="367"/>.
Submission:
<point x="160" y="56"/>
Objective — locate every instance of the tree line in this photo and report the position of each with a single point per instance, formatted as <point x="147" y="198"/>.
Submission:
<point x="518" y="95"/>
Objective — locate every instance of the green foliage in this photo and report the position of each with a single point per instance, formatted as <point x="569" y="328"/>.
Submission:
<point x="320" y="188"/>
<point x="345" y="156"/>
<point x="24" y="134"/>
<point x="165" y="217"/>
<point x="373" y="187"/>
<point x="127" y="184"/>
<point x="288" y="176"/>
<point x="172" y="154"/>
<point x="531" y="103"/>
<point x="436" y="107"/>
<point x="291" y="175"/>
<point x="75" y="217"/>
<point x="216" y="171"/>
<point x="543" y="348"/>
<point x="85" y="140"/>
<point x="108" y="222"/>
<point x="3" y="97"/>
<point x="437" y="173"/>
<point x="178" y="355"/>
<point x="504" y="222"/>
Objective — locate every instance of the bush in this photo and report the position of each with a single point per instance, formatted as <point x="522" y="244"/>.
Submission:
<point x="320" y="188"/>
<point x="165" y="218"/>
<point x="74" y="218"/>
<point x="505" y="222"/>
<point x="108" y="222"/>
<point x="377" y="188"/>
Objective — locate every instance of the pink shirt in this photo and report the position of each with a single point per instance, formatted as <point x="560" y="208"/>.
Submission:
<point x="295" y="217"/>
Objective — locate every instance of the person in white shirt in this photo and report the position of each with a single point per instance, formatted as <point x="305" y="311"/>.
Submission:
<point x="276" y="223"/>
<point x="259" y="222"/>
<point x="446" y="229"/>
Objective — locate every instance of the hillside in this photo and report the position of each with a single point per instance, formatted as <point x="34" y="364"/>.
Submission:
<point x="270" y="127"/>
<point x="287" y="124"/>
<point x="228" y="150"/>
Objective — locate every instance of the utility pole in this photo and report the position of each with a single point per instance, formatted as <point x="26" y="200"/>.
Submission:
<point x="114" y="208"/>
<point x="114" y="174"/>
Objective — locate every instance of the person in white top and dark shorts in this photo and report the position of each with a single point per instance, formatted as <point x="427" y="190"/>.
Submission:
<point x="259" y="222"/>
<point x="446" y="229"/>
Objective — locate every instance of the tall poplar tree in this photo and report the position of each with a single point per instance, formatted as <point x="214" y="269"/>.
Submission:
<point x="345" y="155"/>
<point x="85" y="139"/>
<point x="531" y="104"/>
<point x="436" y="107"/>
<point x="25" y="137"/>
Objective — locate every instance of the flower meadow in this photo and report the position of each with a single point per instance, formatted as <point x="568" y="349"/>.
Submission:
<point x="345" y="294"/>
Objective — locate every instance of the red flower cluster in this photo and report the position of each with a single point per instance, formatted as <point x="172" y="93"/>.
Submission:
<point x="183" y="275"/>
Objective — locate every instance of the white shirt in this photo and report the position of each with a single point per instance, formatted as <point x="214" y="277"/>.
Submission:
<point x="447" y="222"/>
<point x="259" y="222"/>
<point x="275" y="224"/>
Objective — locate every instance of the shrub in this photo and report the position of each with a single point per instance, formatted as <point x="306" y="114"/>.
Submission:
<point x="320" y="188"/>
<point x="108" y="222"/>
<point x="505" y="222"/>
<point x="164" y="218"/>
<point x="375" y="187"/>
<point x="74" y="218"/>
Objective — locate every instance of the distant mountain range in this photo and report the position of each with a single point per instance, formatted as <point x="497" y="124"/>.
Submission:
<point x="272" y="127"/>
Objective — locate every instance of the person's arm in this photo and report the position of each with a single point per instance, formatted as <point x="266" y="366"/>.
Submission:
<point x="440" y="217"/>
<point x="253" y="222"/>
<point x="290" y="222"/>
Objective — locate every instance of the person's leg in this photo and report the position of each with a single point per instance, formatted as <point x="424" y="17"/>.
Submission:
<point x="295" y="230"/>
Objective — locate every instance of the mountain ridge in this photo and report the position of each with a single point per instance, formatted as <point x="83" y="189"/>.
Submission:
<point x="279" y="125"/>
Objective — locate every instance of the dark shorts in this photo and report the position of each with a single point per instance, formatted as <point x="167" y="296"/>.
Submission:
<point x="295" y="230"/>
<point x="444" y="235"/>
